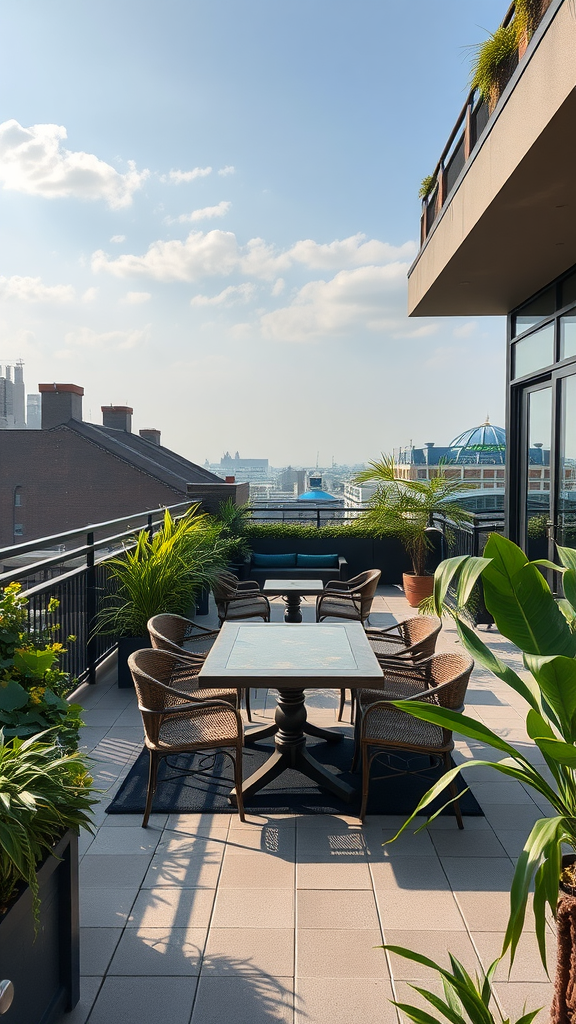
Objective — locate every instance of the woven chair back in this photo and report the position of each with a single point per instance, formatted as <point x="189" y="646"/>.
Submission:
<point x="226" y="587"/>
<point x="167" y="631"/>
<point x="365" y="584"/>
<point x="420" y="633"/>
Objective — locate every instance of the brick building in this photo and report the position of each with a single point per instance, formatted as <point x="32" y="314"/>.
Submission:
<point x="71" y="472"/>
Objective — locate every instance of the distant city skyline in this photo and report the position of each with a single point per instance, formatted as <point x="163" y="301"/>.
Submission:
<point x="226" y="221"/>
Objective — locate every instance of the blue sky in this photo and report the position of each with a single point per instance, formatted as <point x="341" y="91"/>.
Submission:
<point x="209" y="208"/>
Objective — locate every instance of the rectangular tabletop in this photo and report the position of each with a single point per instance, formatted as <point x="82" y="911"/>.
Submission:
<point x="286" y="655"/>
<point x="293" y="587"/>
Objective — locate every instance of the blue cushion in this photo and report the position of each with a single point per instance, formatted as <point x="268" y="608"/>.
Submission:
<point x="270" y="561"/>
<point x="317" y="561"/>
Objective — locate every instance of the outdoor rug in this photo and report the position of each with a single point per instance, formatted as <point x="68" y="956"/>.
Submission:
<point x="210" y="778"/>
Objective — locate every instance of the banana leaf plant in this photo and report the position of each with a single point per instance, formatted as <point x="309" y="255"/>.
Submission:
<point x="544" y="628"/>
<point x="466" y="999"/>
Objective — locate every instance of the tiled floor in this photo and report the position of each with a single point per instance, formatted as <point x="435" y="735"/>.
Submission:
<point x="201" y="919"/>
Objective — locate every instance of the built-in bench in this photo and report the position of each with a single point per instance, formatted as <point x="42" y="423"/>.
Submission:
<point x="292" y="566"/>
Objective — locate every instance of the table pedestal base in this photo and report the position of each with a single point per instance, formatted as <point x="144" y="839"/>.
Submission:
<point x="292" y="612"/>
<point x="291" y="753"/>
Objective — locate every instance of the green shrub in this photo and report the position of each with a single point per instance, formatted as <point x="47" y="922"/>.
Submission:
<point x="42" y="794"/>
<point x="427" y="186"/>
<point x="33" y="687"/>
<point x="297" y="531"/>
<point x="493" y="62"/>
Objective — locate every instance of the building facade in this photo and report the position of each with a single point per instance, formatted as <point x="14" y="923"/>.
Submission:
<point x="498" y="236"/>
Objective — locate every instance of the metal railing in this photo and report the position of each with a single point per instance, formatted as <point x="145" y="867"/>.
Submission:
<point x="78" y="579"/>
<point x="306" y="514"/>
<point x="461" y="143"/>
<point x="469" y="538"/>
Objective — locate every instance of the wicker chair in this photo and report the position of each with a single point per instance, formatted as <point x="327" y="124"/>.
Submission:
<point x="442" y="680"/>
<point x="410" y="640"/>
<point x="174" y="633"/>
<point x="177" y="720"/>
<point x="348" y="600"/>
<point x="236" y="600"/>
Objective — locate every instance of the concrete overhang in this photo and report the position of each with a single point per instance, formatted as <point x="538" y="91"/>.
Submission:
<point x="509" y="225"/>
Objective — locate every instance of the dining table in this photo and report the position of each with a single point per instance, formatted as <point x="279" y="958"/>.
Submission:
<point x="292" y="658"/>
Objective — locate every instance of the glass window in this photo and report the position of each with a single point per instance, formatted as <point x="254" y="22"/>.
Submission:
<point x="18" y="530"/>
<point x="568" y="289"/>
<point x="537" y="494"/>
<point x="533" y="352"/>
<point x="568" y="336"/>
<point x="567" y="468"/>
<point x="533" y="312"/>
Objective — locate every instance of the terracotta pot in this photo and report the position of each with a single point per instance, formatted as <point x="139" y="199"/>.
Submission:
<point x="416" y="588"/>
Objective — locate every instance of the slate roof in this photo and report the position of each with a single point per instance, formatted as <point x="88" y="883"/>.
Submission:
<point x="164" y="465"/>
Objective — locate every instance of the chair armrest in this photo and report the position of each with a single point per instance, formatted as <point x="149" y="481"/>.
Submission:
<point x="248" y="585"/>
<point x="340" y="585"/>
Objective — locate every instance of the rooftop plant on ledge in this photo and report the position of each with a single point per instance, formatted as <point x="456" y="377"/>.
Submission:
<point x="427" y="186"/>
<point x="528" y="14"/>
<point x="494" y="62"/>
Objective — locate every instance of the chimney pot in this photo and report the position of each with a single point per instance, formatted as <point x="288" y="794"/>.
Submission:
<point x="150" y="434"/>
<point x="60" y="403"/>
<point x="117" y="416"/>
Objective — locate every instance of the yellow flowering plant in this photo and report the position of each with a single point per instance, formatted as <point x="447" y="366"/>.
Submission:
<point x="33" y="686"/>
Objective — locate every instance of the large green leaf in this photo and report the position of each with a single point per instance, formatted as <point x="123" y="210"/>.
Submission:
<point x="480" y="652"/>
<point x="569" y="584"/>
<point x="34" y="663"/>
<point x="457" y="722"/>
<point x="546" y="833"/>
<point x="12" y="696"/>
<point x="556" y="678"/>
<point x="567" y="556"/>
<point x="557" y="750"/>
<point x="443" y="577"/>
<point x="521" y="602"/>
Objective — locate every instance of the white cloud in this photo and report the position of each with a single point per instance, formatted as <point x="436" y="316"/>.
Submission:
<point x="33" y="161"/>
<point x="225" y="171"/>
<point x="279" y="286"/>
<point x="137" y="298"/>
<point x="206" y="213"/>
<point x="178" y="177"/>
<point x="31" y="289"/>
<point x="371" y="298"/>
<point x="218" y="253"/>
<point x="118" y="238"/>
<point x="90" y="294"/>
<point x="465" y="330"/>
<point x="85" y="337"/>
<point x="230" y="295"/>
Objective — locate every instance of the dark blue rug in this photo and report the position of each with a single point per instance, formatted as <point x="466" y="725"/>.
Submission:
<point x="209" y="779"/>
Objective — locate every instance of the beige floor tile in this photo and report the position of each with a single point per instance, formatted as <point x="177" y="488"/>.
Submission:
<point x="517" y="998"/>
<point x="144" y="1000"/>
<point x="159" y="952"/>
<point x="341" y="908"/>
<point x="493" y="792"/>
<point x="167" y="907"/>
<point x="254" y="908"/>
<point x="340" y="1000"/>
<point x="199" y="824"/>
<point x="467" y="844"/>
<point x="233" y="951"/>
<point x="155" y="821"/>
<point x="186" y="862"/>
<point x="249" y="999"/>
<point x="419" y="911"/>
<point x="527" y="964"/>
<point x="433" y="944"/>
<point x="333" y="874"/>
<point x="512" y="816"/>
<point x="313" y="844"/>
<point x="125" y="840"/>
<point x="97" y="947"/>
<point x="252" y="870"/>
<point x="277" y="840"/>
<point x="106" y="908"/>
<point x="513" y="840"/>
<point x="112" y="870"/>
<point x="448" y="823"/>
<point x="328" y="822"/>
<point x="413" y="873"/>
<point x="409" y="844"/>
<point x="472" y="874"/>
<point x="340" y="952"/>
<point x="488" y="911"/>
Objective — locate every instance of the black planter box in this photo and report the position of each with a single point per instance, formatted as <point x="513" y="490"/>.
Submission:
<point x="45" y="970"/>
<point x="126" y="646"/>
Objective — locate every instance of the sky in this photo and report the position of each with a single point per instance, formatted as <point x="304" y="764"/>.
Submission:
<point x="209" y="208"/>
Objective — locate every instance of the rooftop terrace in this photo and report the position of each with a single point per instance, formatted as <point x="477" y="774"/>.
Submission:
<point x="202" y="919"/>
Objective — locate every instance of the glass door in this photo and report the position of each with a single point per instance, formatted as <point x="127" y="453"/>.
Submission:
<point x="535" y="465"/>
<point x="565" y="517"/>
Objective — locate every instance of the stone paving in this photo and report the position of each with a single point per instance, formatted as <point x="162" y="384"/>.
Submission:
<point x="202" y="919"/>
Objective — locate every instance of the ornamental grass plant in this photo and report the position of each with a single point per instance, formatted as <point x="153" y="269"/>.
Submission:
<point x="42" y="794"/>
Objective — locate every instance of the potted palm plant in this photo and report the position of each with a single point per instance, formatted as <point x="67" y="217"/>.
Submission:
<point x="163" y="573"/>
<point x="406" y="509"/>
<point x="234" y="520"/>
<point x="45" y="799"/>
<point x="544" y="629"/>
